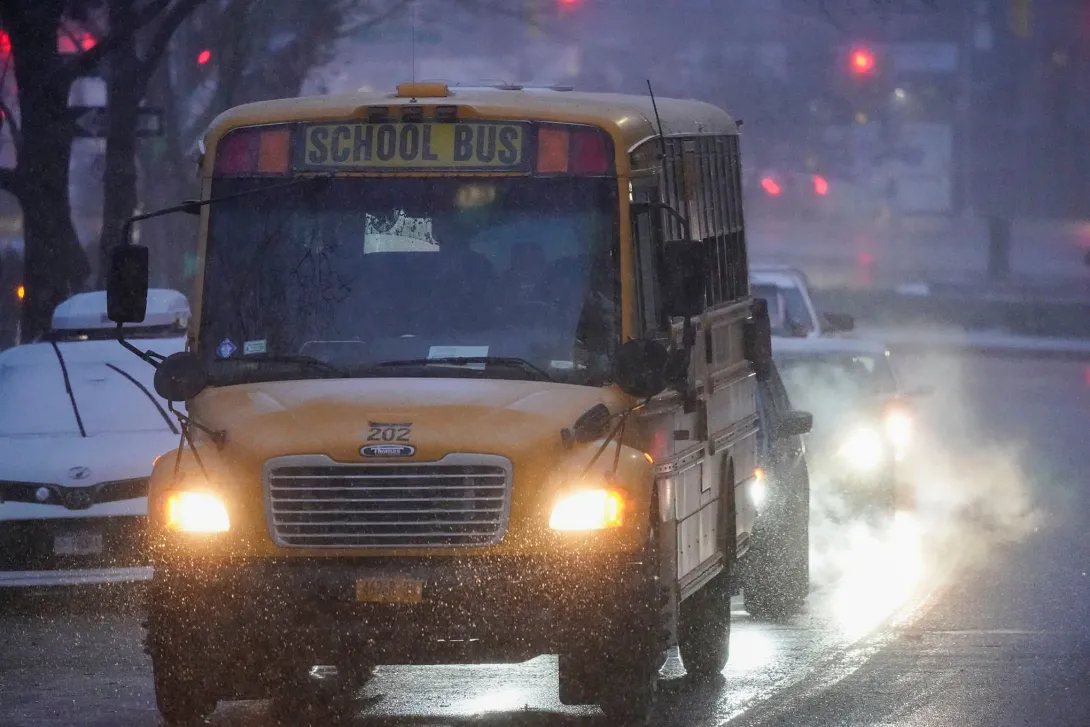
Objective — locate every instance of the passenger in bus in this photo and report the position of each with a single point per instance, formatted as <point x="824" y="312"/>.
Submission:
<point x="466" y="282"/>
<point x="524" y="272"/>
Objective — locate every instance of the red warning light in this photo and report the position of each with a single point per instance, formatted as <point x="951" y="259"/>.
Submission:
<point x="862" y="61"/>
<point x="821" y="185"/>
<point x="203" y="57"/>
<point x="771" y="187"/>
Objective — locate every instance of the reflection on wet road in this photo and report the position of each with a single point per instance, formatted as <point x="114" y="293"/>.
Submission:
<point x="978" y="605"/>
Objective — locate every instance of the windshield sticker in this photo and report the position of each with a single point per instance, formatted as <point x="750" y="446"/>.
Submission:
<point x="562" y="365"/>
<point x="460" y="352"/>
<point x="251" y="347"/>
<point x="226" y="349"/>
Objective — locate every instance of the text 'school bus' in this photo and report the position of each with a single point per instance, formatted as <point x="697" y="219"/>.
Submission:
<point x="471" y="378"/>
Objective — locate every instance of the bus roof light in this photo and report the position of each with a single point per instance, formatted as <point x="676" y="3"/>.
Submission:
<point x="412" y="114"/>
<point x="237" y="152"/>
<point x="446" y="113"/>
<point x="553" y="148"/>
<point x="273" y="152"/>
<point x="423" y="90"/>
<point x="254" y="150"/>
<point x="590" y="154"/>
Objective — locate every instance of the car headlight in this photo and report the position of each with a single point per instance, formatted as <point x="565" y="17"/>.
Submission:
<point x="898" y="425"/>
<point x="196" y="512"/>
<point x="864" y="449"/>
<point x="588" y="510"/>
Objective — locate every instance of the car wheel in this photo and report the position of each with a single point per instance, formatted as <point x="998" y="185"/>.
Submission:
<point x="777" y="573"/>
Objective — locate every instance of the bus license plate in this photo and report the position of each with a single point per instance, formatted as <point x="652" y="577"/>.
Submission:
<point x="389" y="590"/>
<point x="78" y="544"/>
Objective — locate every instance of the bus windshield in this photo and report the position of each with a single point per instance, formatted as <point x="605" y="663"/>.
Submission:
<point x="358" y="272"/>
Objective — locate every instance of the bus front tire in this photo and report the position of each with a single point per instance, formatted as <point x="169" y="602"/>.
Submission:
<point x="183" y="693"/>
<point x="620" y="671"/>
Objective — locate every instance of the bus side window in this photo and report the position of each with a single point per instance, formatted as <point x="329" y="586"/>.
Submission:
<point x="647" y="234"/>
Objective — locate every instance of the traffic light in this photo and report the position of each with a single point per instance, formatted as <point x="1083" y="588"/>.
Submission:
<point x="20" y="293"/>
<point x="861" y="61"/>
<point x="204" y="57"/>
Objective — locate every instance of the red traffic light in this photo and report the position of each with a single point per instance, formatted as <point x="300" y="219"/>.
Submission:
<point x="861" y="61"/>
<point x="203" y="57"/>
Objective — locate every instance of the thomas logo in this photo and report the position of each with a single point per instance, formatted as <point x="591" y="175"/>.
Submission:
<point x="388" y="450"/>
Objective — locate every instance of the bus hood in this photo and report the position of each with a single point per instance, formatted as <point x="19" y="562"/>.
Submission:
<point x="339" y="417"/>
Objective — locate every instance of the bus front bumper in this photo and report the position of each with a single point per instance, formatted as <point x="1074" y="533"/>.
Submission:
<point x="317" y="612"/>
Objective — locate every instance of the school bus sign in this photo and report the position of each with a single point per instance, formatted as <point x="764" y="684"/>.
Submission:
<point x="484" y="146"/>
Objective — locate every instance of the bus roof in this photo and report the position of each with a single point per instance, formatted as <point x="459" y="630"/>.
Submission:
<point x="629" y="116"/>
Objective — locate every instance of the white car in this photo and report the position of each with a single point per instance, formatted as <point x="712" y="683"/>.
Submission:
<point x="790" y="308"/>
<point x="80" y="428"/>
<point x="863" y="417"/>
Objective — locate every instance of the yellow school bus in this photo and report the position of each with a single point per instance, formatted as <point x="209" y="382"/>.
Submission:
<point x="470" y="378"/>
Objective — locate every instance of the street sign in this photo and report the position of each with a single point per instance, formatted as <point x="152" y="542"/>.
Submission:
<point x="91" y="121"/>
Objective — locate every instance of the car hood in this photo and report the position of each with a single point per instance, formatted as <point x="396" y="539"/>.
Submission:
<point x="335" y="417"/>
<point x="76" y="461"/>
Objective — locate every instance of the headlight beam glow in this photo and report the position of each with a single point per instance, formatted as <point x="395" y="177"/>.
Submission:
<point x="196" y="512"/>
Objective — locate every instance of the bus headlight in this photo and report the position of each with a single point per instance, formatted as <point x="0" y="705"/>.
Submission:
<point x="196" y="512"/>
<point x="588" y="510"/>
<point x="863" y="450"/>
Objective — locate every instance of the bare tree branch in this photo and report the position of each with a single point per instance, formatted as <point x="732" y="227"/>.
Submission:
<point x="88" y="60"/>
<point x="159" y="41"/>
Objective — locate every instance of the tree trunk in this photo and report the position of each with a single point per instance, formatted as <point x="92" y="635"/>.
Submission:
<point x="125" y="90"/>
<point x="119" y="198"/>
<point x="55" y="264"/>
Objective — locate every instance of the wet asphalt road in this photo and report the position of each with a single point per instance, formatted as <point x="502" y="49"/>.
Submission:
<point x="976" y="612"/>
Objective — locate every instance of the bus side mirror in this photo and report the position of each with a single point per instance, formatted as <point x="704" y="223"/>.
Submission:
<point x="839" y="322"/>
<point x="794" y="424"/>
<point x="180" y="377"/>
<point x="684" y="271"/>
<point x="127" y="284"/>
<point x="641" y="368"/>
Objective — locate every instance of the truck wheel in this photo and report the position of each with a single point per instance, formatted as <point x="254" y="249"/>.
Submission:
<point x="777" y="574"/>
<point x="620" y="670"/>
<point x="181" y="677"/>
<point x="704" y="628"/>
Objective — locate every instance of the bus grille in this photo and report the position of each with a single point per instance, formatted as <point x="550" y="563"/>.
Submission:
<point x="388" y="506"/>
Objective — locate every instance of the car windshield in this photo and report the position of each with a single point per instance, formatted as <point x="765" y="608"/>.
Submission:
<point x="787" y="309"/>
<point x="834" y="386"/>
<point x="354" y="273"/>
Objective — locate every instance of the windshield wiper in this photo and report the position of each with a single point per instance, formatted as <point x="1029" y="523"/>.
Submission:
<point x="509" y="361"/>
<point x="287" y="358"/>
